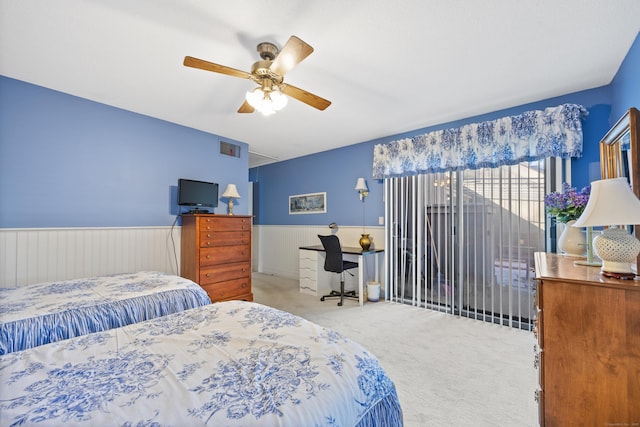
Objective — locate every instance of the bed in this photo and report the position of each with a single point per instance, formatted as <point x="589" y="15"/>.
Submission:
<point x="47" y="312"/>
<point x="233" y="363"/>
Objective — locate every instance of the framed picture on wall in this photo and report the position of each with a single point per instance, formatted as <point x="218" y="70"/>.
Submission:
<point x="308" y="203"/>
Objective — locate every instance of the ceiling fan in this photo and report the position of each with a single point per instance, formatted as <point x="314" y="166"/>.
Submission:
<point x="269" y="74"/>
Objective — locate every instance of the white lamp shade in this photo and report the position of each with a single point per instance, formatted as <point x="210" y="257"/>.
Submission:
<point x="611" y="202"/>
<point x="361" y="185"/>
<point x="231" y="191"/>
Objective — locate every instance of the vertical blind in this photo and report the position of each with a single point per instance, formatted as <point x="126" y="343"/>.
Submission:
<point x="463" y="241"/>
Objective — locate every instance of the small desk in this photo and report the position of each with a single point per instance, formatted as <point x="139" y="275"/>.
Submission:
<point x="312" y="279"/>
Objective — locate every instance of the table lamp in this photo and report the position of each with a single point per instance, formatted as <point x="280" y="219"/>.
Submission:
<point x="612" y="203"/>
<point x="231" y="192"/>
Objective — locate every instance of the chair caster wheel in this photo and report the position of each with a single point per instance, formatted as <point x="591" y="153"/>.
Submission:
<point x="322" y="299"/>
<point x="339" y="304"/>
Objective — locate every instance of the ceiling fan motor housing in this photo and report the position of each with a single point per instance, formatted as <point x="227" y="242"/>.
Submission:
<point x="268" y="51"/>
<point x="260" y="70"/>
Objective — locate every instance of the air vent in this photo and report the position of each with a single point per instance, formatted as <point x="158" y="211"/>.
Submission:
<point x="229" y="149"/>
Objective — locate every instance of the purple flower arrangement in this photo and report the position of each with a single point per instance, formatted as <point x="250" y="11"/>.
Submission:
<point x="567" y="205"/>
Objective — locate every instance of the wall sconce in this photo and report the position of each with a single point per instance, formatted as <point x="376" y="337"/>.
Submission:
<point x="612" y="203"/>
<point x="231" y="192"/>
<point x="361" y="187"/>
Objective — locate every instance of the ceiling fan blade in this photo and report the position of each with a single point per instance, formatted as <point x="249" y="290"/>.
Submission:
<point x="291" y="54"/>
<point x="246" y="108"/>
<point x="307" y="97"/>
<point x="190" y="61"/>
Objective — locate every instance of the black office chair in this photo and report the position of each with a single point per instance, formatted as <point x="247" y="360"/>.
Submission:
<point x="335" y="264"/>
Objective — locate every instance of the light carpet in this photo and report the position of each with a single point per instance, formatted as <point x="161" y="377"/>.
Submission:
<point x="448" y="371"/>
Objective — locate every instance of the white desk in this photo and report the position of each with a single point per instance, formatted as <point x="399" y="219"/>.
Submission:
<point x="316" y="281"/>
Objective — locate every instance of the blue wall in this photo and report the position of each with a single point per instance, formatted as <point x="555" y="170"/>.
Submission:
<point x="336" y="171"/>
<point x="69" y="162"/>
<point x="625" y="87"/>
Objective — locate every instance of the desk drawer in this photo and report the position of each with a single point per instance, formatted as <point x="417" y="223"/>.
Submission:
<point x="309" y="265"/>
<point x="308" y="285"/>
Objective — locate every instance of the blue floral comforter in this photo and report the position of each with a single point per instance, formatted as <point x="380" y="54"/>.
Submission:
<point x="47" y="312"/>
<point x="231" y="363"/>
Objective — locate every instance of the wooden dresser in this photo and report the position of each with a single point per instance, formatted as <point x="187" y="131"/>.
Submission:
<point x="588" y="353"/>
<point x="216" y="254"/>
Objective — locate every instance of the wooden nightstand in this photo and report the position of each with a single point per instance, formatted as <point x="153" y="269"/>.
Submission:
<point x="588" y="331"/>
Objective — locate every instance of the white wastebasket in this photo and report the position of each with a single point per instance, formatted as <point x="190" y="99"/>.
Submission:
<point x="373" y="291"/>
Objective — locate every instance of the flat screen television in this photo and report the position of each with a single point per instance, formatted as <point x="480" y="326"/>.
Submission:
<point x="197" y="194"/>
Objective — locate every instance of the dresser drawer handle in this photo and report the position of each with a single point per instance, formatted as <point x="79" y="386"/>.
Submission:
<point x="244" y="285"/>
<point x="208" y="256"/>
<point x="208" y="275"/>
<point x="208" y="236"/>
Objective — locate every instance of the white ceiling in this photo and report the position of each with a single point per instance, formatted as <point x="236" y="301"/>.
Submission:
<point x="387" y="66"/>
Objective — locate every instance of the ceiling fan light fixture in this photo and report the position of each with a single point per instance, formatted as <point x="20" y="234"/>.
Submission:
<point x="278" y="99"/>
<point x="255" y="97"/>
<point x="266" y="102"/>
<point x="266" y="106"/>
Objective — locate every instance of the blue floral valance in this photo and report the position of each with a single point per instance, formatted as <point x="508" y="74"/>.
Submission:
<point x="532" y="135"/>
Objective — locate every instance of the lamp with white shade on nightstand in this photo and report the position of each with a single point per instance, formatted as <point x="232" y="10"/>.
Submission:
<point x="612" y="203"/>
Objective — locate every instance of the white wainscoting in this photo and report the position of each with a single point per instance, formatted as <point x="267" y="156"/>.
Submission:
<point x="30" y="256"/>
<point x="275" y="247"/>
<point x="34" y="255"/>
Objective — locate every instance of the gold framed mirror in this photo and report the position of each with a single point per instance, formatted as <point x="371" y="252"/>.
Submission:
<point x="620" y="154"/>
